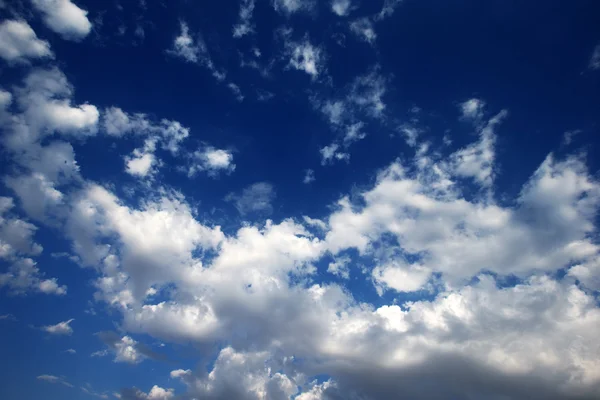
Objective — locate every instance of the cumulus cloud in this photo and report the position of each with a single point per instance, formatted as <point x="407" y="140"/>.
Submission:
<point x="472" y="109"/>
<point x="244" y="25"/>
<point x="64" y="18"/>
<point x="18" y="42"/>
<point x="331" y="153"/>
<point x="341" y="7"/>
<point x="62" y="328"/>
<point x="363" y="28"/>
<point x="211" y="160"/>
<point x="45" y="99"/>
<point x="156" y="393"/>
<point x="125" y="348"/>
<point x="309" y="176"/>
<point x="288" y="7"/>
<point x="304" y="56"/>
<point x="256" y="198"/>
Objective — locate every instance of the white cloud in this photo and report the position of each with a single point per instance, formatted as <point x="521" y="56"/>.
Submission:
<point x="389" y="6"/>
<point x="117" y="123"/>
<point x="341" y="7"/>
<point x="186" y="47"/>
<point x="211" y="160"/>
<point x="54" y="379"/>
<point x="18" y="42"/>
<point x="244" y="25"/>
<point x="64" y="18"/>
<point x="156" y="393"/>
<point x="367" y="93"/>
<point x="569" y="135"/>
<point x="16" y="235"/>
<point x="237" y="92"/>
<point x="354" y="133"/>
<point x="330" y="153"/>
<point x="62" y="328"/>
<point x="477" y="160"/>
<point x="309" y="176"/>
<point x="335" y="111"/>
<point x="24" y="277"/>
<point x="306" y="57"/>
<point x="256" y="198"/>
<point x="71" y="351"/>
<point x="127" y="352"/>
<point x="288" y="7"/>
<point x="594" y="63"/>
<point x="45" y="99"/>
<point x="340" y="267"/>
<point x="363" y="28"/>
<point x="472" y="109"/>
<point x="142" y="163"/>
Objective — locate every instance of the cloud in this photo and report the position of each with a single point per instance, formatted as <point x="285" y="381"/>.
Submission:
<point x="388" y="8"/>
<point x="125" y="348"/>
<point x="156" y="393"/>
<point x="367" y="93"/>
<point x="288" y="7"/>
<point x="186" y="47"/>
<point x="309" y="176"/>
<point x="16" y="235"/>
<point x="237" y="92"/>
<point x="64" y="18"/>
<point x="54" y="379"/>
<point x="45" y="99"/>
<point x="24" y="277"/>
<point x="303" y="56"/>
<point x="341" y="7"/>
<point x="211" y="160"/>
<point x="18" y="42"/>
<point x="330" y="153"/>
<point x="477" y="160"/>
<point x="363" y="28"/>
<point x="594" y="63"/>
<point x="244" y="25"/>
<point x="62" y="328"/>
<point x="472" y="109"/>
<point x="71" y="351"/>
<point x="256" y="198"/>
<point x="340" y="267"/>
<point x="142" y="162"/>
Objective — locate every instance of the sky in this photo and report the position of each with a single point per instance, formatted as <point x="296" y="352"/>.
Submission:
<point x="299" y="199"/>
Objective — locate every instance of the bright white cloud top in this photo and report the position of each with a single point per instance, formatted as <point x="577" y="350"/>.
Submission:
<point x="184" y="251"/>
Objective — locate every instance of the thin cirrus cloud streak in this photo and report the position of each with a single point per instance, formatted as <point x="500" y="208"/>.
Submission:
<point x="422" y="270"/>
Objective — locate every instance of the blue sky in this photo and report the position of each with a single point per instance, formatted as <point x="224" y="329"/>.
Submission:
<point x="299" y="199"/>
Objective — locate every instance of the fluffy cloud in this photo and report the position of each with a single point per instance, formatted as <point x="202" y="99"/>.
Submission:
<point x="23" y="277"/>
<point x="211" y="160"/>
<point x="303" y="56"/>
<point x="363" y="28"/>
<point x="62" y="328"/>
<point x="125" y="349"/>
<point x="256" y="198"/>
<point x="341" y="7"/>
<point x="244" y="25"/>
<point x="64" y="18"/>
<point x="288" y="7"/>
<point x="16" y="235"/>
<point x="45" y="101"/>
<point x="330" y="153"/>
<point x="156" y="393"/>
<point x="18" y="42"/>
<point x="309" y="176"/>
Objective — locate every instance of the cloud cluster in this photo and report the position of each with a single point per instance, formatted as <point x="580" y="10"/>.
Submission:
<point x="18" y="42"/>
<point x="64" y="18"/>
